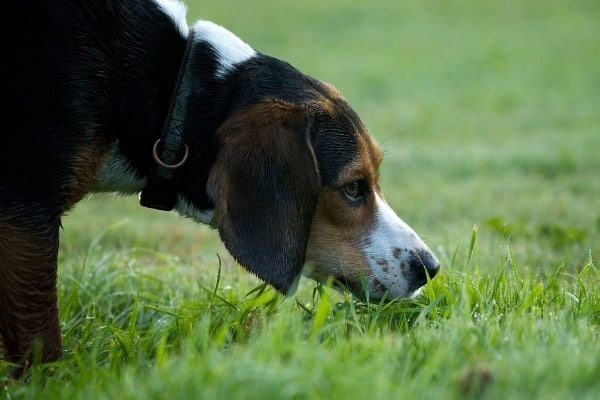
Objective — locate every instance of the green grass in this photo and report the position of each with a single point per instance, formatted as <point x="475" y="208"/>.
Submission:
<point x="489" y="115"/>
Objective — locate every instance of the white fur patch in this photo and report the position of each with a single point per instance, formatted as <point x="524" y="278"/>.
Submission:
<point x="176" y="10"/>
<point x="230" y="49"/>
<point x="389" y="247"/>
<point x="116" y="174"/>
<point x="186" y="209"/>
<point x="390" y="230"/>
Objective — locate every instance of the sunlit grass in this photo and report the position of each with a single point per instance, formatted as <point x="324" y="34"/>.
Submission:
<point x="146" y="332"/>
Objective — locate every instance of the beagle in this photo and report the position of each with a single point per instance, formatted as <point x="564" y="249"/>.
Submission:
<point x="122" y="96"/>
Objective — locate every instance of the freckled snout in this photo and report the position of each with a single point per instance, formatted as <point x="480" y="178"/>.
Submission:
<point x="399" y="261"/>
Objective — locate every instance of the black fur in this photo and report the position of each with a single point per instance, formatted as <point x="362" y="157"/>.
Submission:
<point x="74" y="71"/>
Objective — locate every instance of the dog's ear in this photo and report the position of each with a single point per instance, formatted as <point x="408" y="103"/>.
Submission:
<point x="264" y="185"/>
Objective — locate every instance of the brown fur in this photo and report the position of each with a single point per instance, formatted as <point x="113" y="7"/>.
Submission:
<point x="84" y="167"/>
<point x="338" y="225"/>
<point x="29" y="304"/>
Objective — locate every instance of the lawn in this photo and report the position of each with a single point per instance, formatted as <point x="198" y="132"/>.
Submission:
<point x="489" y="115"/>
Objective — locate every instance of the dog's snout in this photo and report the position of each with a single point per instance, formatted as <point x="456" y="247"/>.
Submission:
<point x="421" y="262"/>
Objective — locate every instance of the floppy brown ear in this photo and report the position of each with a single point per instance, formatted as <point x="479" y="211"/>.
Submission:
<point x="264" y="185"/>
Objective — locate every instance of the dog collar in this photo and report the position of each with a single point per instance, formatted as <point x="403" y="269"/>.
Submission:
<point x="170" y="152"/>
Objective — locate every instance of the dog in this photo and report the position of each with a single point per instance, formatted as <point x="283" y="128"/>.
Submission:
<point x="123" y="96"/>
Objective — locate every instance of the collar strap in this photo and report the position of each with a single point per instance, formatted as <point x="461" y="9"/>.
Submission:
<point x="170" y="151"/>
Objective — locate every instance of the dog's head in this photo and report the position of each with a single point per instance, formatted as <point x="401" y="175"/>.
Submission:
<point x="296" y="188"/>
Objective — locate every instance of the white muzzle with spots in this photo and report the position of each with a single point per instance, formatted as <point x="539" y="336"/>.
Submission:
<point x="398" y="259"/>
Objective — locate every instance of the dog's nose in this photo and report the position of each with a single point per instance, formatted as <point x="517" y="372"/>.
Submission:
<point x="421" y="261"/>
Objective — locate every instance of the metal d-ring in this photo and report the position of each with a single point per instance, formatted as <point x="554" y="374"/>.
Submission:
<point x="165" y="165"/>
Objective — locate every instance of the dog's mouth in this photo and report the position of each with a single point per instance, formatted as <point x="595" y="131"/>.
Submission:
<point x="366" y="289"/>
<point x="372" y="289"/>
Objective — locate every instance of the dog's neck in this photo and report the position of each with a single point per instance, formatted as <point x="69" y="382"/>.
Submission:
<point x="212" y="54"/>
<point x="170" y="152"/>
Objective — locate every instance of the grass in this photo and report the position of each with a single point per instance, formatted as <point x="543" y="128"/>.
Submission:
<point x="489" y="115"/>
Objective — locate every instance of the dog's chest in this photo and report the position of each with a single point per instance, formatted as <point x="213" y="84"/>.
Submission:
<point x="115" y="174"/>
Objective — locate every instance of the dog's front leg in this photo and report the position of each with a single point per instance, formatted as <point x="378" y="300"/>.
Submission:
<point x="28" y="300"/>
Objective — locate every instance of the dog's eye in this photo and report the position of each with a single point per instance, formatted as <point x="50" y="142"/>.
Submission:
<point x="354" y="190"/>
<point x="351" y="190"/>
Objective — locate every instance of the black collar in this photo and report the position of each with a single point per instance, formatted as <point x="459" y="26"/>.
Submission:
<point x="170" y="152"/>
